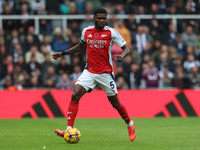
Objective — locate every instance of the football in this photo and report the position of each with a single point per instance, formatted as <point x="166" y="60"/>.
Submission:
<point x="72" y="135"/>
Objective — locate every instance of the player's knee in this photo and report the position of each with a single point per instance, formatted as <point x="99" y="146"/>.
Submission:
<point x="115" y="105"/>
<point x="75" y="96"/>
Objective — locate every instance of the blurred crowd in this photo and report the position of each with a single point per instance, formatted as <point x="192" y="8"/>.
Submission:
<point x="162" y="56"/>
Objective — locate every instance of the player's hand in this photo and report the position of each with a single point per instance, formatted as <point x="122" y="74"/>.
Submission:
<point x="57" y="55"/>
<point x="119" y="58"/>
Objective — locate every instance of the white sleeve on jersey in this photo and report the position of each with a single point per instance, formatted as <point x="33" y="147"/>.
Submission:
<point x="83" y="35"/>
<point x="117" y="38"/>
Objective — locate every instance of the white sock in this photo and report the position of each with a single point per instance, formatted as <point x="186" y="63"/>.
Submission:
<point x="68" y="127"/>
<point x="130" y="124"/>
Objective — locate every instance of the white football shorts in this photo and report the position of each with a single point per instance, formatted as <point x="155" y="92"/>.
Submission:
<point x="89" y="80"/>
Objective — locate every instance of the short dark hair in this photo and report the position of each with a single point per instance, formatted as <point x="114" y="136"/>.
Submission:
<point x="100" y="11"/>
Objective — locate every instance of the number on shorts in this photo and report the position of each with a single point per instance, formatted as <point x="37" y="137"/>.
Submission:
<point x="112" y="85"/>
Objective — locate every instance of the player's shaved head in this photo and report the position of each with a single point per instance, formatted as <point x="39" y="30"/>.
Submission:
<point x="100" y="11"/>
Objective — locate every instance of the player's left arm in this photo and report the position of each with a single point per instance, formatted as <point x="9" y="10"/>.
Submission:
<point x="125" y="52"/>
<point x="117" y="39"/>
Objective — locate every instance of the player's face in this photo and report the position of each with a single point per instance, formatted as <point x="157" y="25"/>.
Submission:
<point x="100" y="20"/>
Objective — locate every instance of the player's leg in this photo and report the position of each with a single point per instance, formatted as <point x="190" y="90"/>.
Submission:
<point x="83" y="84"/>
<point x="120" y="108"/>
<point x="78" y="92"/>
<point x="124" y="114"/>
<point x="107" y="83"/>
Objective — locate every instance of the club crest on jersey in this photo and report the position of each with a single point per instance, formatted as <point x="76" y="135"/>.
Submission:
<point x="96" y="35"/>
<point x="103" y="35"/>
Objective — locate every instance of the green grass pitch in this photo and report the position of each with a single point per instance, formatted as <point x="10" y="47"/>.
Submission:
<point x="102" y="134"/>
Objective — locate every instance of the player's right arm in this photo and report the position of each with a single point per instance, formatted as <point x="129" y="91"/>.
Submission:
<point x="77" y="48"/>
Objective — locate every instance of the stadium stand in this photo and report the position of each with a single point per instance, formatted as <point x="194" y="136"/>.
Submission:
<point x="165" y="53"/>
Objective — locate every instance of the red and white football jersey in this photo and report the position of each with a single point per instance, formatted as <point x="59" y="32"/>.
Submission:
<point x="99" y="43"/>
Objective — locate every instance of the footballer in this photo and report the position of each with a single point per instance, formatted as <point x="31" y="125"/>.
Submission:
<point x="97" y="40"/>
